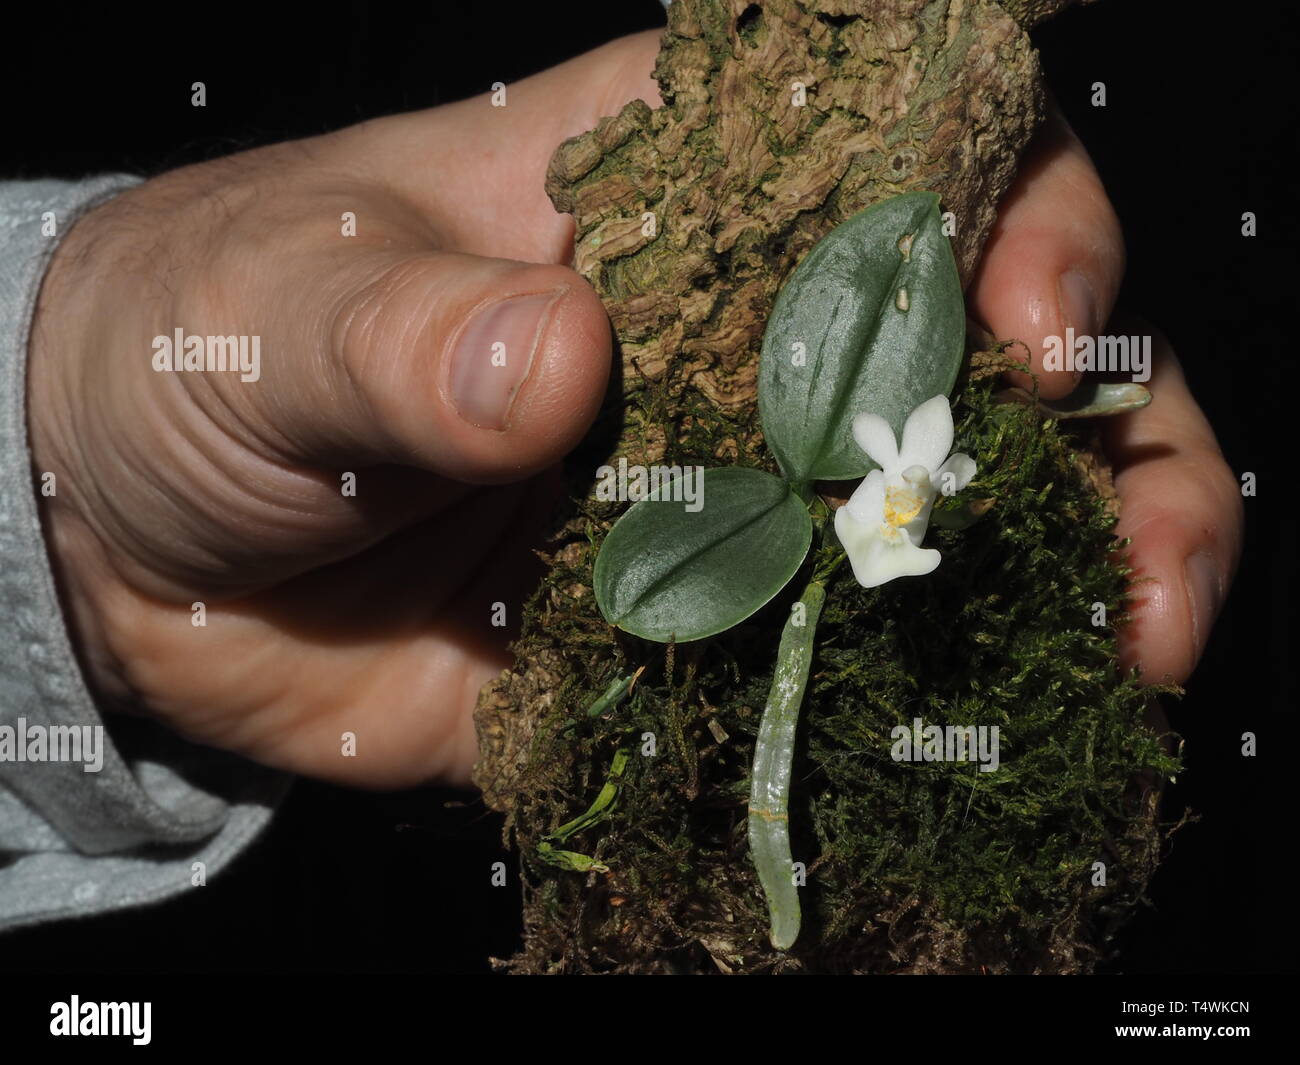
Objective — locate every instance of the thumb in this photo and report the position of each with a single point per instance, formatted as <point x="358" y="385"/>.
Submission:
<point x="481" y="370"/>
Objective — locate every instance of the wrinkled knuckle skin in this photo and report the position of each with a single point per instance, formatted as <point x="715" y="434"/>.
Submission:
<point x="366" y="312"/>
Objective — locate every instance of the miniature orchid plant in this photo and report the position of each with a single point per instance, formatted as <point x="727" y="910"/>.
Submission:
<point x="860" y="353"/>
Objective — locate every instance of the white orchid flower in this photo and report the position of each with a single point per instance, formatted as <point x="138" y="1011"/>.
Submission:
<point x="884" y="521"/>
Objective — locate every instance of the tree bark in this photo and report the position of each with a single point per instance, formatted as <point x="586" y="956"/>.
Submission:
<point x="780" y="119"/>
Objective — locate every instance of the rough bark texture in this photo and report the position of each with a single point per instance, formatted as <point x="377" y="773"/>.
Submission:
<point x="898" y="95"/>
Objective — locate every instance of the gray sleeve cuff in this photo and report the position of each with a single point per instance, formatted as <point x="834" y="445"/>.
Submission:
<point x="89" y="821"/>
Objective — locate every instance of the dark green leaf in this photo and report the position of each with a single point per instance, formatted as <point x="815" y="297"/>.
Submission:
<point x="666" y="573"/>
<point x="882" y="328"/>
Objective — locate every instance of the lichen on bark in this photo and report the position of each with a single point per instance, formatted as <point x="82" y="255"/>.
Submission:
<point x="781" y="119"/>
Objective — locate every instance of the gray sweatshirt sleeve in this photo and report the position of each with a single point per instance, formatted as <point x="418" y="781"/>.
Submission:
<point x="95" y="815"/>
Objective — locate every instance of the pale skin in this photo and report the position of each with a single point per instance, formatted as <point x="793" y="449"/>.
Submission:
<point x="371" y="614"/>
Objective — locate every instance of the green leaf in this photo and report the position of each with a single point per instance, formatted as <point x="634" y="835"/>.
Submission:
<point x="666" y="573"/>
<point x="882" y="327"/>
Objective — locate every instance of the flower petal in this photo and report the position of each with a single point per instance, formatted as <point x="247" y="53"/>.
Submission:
<point x="876" y="561"/>
<point x="916" y="528"/>
<point x="962" y="467"/>
<point x="876" y="437"/>
<point x="867" y="503"/>
<point x="927" y="436"/>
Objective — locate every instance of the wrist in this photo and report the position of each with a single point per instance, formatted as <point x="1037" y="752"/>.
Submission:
<point x="76" y="556"/>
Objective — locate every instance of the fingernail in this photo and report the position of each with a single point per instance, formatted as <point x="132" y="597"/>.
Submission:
<point x="494" y="354"/>
<point x="1078" y="303"/>
<point x="1204" y="594"/>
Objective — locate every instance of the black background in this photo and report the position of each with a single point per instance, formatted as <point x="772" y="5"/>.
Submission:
<point x="1200" y="126"/>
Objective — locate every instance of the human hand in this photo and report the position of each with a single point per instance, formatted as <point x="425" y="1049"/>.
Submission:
<point x="376" y="359"/>
<point x="1055" y="260"/>
<point x="176" y="488"/>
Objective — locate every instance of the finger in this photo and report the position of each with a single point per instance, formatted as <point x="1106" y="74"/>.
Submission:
<point x="1055" y="258"/>
<point x="391" y="645"/>
<point x="479" y="170"/>
<point x="430" y="327"/>
<point x="480" y="370"/>
<point x="1181" y="506"/>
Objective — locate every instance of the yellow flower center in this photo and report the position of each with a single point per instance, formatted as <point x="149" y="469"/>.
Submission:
<point x="901" y="506"/>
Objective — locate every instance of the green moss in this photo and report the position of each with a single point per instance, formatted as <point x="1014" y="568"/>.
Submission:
<point x="912" y="866"/>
